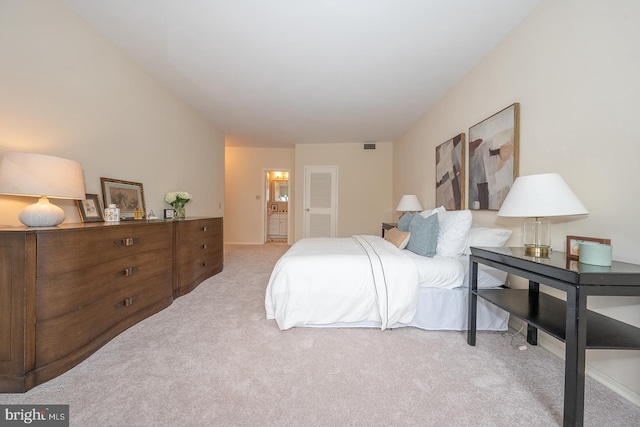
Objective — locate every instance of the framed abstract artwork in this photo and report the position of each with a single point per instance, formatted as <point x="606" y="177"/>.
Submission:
<point x="450" y="168"/>
<point x="493" y="158"/>
<point x="126" y="195"/>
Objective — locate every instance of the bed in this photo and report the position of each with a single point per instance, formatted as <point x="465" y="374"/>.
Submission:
<point x="369" y="281"/>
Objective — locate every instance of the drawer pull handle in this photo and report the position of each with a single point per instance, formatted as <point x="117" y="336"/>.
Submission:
<point x="204" y="228"/>
<point x="204" y="264"/>
<point x="125" y="303"/>
<point x="126" y="242"/>
<point x="129" y="271"/>
<point x="204" y="246"/>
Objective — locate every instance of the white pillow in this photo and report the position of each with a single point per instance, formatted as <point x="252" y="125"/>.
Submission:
<point x="486" y="236"/>
<point x="429" y="212"/>
<point x="454" y="232"/>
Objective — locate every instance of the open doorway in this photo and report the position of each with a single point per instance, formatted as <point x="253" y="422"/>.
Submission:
<point x="276" y="210"/>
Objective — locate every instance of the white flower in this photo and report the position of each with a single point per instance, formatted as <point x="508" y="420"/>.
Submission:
<point x="175" y="198"/>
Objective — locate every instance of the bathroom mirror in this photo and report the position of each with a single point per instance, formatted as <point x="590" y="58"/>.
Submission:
<point x="281" y="191"/>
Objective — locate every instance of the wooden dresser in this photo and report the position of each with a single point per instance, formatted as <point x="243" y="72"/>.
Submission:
<point x="198" y="252"/>
<point x="66" y="291"/>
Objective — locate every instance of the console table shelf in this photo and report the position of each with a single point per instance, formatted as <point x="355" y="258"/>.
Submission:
<point x="549" y="314"/>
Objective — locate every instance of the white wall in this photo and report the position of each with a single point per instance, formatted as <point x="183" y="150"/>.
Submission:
<point x="364" y="184"/>
<point x="244" y="191"/>
<point x="66" y="91"/>
<point x="574" y="67"/>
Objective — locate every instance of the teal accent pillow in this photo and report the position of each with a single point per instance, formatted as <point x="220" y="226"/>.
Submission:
<point x="424" y="235"/>
<point x="404" y="221"/>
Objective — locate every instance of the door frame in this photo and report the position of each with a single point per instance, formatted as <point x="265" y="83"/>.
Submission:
<point x="265" y="204"/>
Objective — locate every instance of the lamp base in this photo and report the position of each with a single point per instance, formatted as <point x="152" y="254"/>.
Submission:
<point x="537" y="251"/>
<point x="41" y="214"/>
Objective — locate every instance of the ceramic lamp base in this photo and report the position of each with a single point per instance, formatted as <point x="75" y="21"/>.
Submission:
<point x="41" y="214"/>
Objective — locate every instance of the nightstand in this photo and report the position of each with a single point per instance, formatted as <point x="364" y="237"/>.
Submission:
<point x="388" y="226"/>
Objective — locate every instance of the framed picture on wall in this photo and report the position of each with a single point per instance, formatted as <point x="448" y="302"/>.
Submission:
<point x="450" y="167"/>
<point x="493" y="158"/>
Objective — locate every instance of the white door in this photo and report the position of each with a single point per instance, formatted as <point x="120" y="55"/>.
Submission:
<point x="320" y="201"/>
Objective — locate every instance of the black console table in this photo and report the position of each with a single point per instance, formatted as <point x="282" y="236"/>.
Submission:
<point x="569" y="320"/>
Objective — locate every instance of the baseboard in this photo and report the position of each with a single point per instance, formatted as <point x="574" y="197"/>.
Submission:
<point x="244" y="243"/>
<point x="557" y="347"/>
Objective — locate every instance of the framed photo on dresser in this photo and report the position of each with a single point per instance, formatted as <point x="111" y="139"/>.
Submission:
<point x="90" y="209"/>
<point x="126" y="195"/>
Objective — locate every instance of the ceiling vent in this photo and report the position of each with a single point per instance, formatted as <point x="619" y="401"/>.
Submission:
<point x="369" y="146"/>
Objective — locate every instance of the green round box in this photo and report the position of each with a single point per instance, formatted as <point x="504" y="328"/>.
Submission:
<point x="594" y="253"/>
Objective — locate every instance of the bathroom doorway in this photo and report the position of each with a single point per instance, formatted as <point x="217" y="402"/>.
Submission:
<point x="276" y="209"/>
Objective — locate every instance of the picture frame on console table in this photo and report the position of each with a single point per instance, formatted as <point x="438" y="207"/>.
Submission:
<point x="573" y="245"/>
<point x="126" y="195"/>
<point x="450" y="166"/>
<point x="90" y="209"/>
<point x="493" y="158"/>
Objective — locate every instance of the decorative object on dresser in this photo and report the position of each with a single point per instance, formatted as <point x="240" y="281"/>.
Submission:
<point x="536" y="197"/>
<point x="42" y="176"/>
<point x="177" y="199"/>
<point x="63" y="305"/>
<point x="450" y="165"/>
<point x="126" y="195"/>
<point x="90" y="209"/>
<point x="493" y="158"/>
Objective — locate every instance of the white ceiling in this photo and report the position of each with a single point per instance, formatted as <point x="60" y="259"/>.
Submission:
<point x="280" y="72"/>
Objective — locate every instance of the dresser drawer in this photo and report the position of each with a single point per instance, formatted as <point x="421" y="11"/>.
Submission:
<point x="62" y="335"/>
<point x="71" y="250"/>
<point x="64" y="292"/>
<point x="194" y="269"/>
<point x="198" y="230"/>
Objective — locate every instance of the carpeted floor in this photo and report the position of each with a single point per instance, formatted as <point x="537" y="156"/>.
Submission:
<point x="212" y="359"/>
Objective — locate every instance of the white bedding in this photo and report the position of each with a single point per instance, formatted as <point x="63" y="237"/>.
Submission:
<point x="326" y="280"/>
<point x="367" y="281"/>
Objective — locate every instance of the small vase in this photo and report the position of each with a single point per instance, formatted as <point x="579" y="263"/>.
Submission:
<point x="179" y="212"/>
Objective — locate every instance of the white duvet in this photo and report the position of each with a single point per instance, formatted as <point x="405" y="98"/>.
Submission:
<point x="323" y="281"/>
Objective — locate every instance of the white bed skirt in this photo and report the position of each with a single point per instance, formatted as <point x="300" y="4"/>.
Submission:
<point x="443" y="309"/>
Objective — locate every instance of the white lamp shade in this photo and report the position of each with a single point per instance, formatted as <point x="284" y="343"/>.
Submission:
<point x="38" y="175"/>
<point x="541" y="195"/>
<point x="35" y="175"/>
<point x="409" y="202"/>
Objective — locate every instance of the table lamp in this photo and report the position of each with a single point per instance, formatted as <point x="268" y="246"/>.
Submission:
<point x="536" y="197"/>
<point x="38" y="175"/>
<point x="409" y="203"/>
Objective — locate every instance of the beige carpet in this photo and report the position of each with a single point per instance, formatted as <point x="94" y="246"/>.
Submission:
<point x="212" y="359"/>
